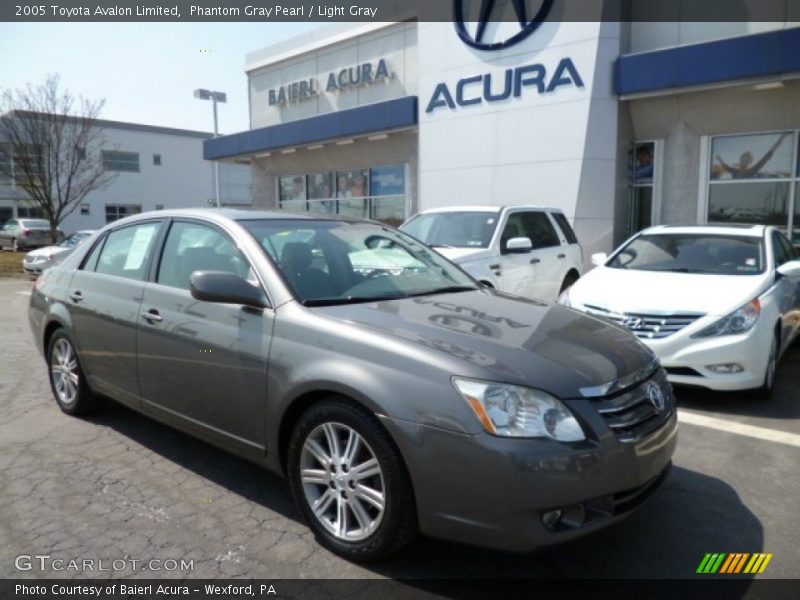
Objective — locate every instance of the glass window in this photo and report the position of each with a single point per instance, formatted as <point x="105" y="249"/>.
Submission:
<point x="779" y="251"/>
<point x="157" y="160"/>
<point x="115" y="160"/>
<point x="90" y="262"/>
<point x="85" y="209"/>
<point x="540" y="230"/>
<point x="515" y="227"/>
<point x="643" y="162"/>
<point x="194" y="247"/>
<point x="453" y="229"/>
<point x="321" y="193"/>
<point x="332" y="262"/>
<point x="126" y="251"/>
<point x="791" y="252"/>
<point x="5" y="162"/>
<point x="759" y="156"/>
<point x="565" y="227"/>
<point x="352" y="184"/>
<point x="119" y="211"/>
<point x="692" y="253"/>
<point x="749" y="202"/>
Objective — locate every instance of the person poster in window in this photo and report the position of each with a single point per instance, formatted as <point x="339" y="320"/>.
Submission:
<point x="320" y="192"/>
<point x="760" y="156"/>
<point x="644" y="160"/>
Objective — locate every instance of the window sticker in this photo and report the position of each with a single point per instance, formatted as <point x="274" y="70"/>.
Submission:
<point x="138" y="249"/>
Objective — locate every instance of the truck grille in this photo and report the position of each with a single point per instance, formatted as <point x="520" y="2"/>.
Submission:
<point x="633" y="414"/>
<point x="645" y="326"/>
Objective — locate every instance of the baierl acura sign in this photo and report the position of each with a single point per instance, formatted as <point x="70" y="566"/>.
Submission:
<point x="490" y="87"/>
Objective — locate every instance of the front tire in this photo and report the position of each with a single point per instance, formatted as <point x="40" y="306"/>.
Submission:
<point x="765" y="391"/>
<point x="349" y="481"/>
<point x="66" y="376"/>
<point x="14" y="245"/>
<point x="569" y="281"/>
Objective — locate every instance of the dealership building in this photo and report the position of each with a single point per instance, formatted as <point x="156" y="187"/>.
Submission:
<point x="620" y="125"/>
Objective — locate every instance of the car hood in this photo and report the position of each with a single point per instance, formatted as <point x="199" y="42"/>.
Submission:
<point x="504" y="338"/>
<point x="630" y="291"/>
<point x="461" y="255"/>
<point x="47" y="251"/>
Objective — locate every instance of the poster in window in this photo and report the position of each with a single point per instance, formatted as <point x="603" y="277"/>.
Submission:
<point x="388" y="180"/>
<point x="292" y="187"/>
<point x="320" y="186"/>
<point x="643" y="162"/>
<point x="760" y="156"/>
<point x="352" y="184"/>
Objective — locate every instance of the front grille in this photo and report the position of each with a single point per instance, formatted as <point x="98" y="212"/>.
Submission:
<point x="644" y="326"/>
<point x="632" y="414"/>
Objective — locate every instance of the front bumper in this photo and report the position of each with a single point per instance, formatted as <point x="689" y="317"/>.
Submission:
<point x="687" y="359"/>
<point x="492" y="491"/>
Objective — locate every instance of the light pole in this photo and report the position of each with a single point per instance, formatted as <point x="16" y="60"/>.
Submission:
<point x="214" y="97"/>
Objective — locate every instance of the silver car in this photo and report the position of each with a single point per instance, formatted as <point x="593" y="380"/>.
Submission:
<point x="394" y="392"/>
<point x="24" y="234"/>
<point x="40" y="259"/>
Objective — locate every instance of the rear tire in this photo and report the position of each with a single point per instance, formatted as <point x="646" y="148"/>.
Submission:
<point x="350" y="483"/>
<point x="765" y="391"/>
<point x="67" y="380"/>
<point x="14" y="245"/>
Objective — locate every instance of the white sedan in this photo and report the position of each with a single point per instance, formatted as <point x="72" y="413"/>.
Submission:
<point x="717" y="304"/>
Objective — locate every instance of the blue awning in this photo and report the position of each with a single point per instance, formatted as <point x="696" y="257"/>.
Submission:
<point x="364" y="120"/>
<point x="746" y="57"/>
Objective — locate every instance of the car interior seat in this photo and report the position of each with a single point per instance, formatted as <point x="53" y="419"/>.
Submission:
<point x="308" y="281"/>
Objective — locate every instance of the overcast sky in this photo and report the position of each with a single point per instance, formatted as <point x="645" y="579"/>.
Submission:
<point x="145" y="71"/>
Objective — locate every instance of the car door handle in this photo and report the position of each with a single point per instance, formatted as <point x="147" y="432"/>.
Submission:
<point x="76" y="296"/>
<point x="152" y="316"/>
<point x="496" y="267"/>
<point x="535" y="261"/>
<point x="562" y="256"/>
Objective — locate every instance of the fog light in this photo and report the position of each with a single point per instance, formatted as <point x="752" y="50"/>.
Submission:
<point x="726" y="368"/>
<point x="551" y="518"/>
<point x="574" y="516"/>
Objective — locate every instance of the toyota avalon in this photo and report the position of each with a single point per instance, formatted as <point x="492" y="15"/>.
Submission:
<point x="394" y="392"/>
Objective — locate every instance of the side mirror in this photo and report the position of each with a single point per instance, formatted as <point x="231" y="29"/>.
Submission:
<point x="225" y="288"/>
<point x="599" y="258"/>
<point x="790" y="269"/>
<point x="518" y="245"/>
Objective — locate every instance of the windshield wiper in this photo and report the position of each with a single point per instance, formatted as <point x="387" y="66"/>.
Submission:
<point x="347" y="300"/>
<point x="441" y="246"/>
<point x="444" y="290"/>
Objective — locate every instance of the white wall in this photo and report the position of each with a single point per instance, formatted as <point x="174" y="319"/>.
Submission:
<point x="556" y="149"/>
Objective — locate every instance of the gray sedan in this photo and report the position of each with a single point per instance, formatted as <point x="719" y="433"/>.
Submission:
<point x="24" y="234"/>
<point x="394" y="393"/>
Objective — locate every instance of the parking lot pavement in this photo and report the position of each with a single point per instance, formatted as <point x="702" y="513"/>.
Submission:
<point x="118" y="485"/>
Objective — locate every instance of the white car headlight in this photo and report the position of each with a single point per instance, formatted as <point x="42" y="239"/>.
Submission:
<point x="739" y="321"/>
<point x="514" y="411"/>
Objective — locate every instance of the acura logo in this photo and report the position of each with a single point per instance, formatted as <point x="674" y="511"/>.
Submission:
<point x="527" y="26"/>
<point x="656" y="396"/>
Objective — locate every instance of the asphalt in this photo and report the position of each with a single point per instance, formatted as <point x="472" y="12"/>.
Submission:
<point x="119" y="485"/>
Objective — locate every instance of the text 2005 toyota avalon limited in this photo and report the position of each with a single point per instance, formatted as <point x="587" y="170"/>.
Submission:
<point x="394" y="393"/>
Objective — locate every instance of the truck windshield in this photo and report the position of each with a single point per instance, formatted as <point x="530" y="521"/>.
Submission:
<point x="468" y="229"/>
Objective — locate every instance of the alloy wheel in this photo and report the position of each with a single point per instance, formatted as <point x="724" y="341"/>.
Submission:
<point x="343" y="482"/>
<point x="64" y="371"/>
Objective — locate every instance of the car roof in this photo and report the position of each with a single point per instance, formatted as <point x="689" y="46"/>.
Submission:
<point x="238" y="214"/>
<point x="740" y="229"/>
<point x="485" y="208"/>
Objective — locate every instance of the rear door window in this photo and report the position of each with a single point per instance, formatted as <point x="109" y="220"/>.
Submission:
<point x="126" y="251"/>
<point x="565" y="227"/>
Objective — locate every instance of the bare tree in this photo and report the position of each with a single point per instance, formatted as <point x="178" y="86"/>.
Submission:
<point x="50" y="144"/>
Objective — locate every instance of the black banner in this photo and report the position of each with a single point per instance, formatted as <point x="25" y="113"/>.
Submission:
<point x="712" y="588"/>
<point x="398" y="10"/>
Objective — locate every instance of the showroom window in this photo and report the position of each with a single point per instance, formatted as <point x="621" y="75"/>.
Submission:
<point x="376" y="193"/>
<point x="119" y="211"/>
<point x="752" y="178"/>
<point x="114" y="160"/>
<point x="643" y="171"/>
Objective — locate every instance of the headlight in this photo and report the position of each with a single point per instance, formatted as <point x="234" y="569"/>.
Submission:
<point x="738" y="321"/>
<point x="35" y="259"/>
<point x="513" y="411"/>
<point x="563" y="298"/>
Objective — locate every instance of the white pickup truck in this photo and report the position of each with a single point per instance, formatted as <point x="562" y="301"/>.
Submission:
<point x="529" y="251"/>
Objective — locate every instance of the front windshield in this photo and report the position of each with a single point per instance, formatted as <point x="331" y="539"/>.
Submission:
<point x="339" y="262"/>
<point x="454" y="229"/>
<point x="692" y="253"/>
<point x="74" y="240"/>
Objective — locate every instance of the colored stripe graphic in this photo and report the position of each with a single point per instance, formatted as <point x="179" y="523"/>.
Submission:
<point x="733" y="563"/>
